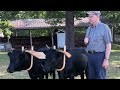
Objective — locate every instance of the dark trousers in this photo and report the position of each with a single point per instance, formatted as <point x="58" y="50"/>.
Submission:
<point x="95" y="69"/>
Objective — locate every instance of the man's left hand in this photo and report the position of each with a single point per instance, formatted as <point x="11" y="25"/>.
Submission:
<point x="105" y="64"/>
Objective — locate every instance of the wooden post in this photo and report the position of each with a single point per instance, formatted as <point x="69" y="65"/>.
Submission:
<point x="32" y="47"/>
<point x="30" y="38"/>
<point x="22" y="48"/>
<point x="16" y="33"/>
<point x="52" y="39"/>
<point x="31" y="63"/>
<point x="64" y="48"/>
<point x="54" y="47"/>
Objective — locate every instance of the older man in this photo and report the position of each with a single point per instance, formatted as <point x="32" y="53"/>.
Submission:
<point x="98" y="40"/>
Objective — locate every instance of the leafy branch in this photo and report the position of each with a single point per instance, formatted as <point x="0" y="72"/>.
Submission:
<point x="5" y="27"/>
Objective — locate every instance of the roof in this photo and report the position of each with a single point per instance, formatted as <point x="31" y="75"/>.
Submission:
<point x="42" y="24"/>
<point x="30" y="24"/>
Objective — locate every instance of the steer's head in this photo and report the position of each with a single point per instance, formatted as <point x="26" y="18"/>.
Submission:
<point x="53" y="60"/>
<point x="17" y="61"/>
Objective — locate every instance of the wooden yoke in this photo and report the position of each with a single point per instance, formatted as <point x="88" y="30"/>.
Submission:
<point x="64" y="60"/>
<point x="31" y="61"/>
<point x="39" y="55"/>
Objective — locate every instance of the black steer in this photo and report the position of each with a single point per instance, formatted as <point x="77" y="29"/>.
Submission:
<point x="76" y="65"/>
<point x="21" y="61"/>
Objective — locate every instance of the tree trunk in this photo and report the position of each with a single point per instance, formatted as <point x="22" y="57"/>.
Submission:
<point x="30" y="34"/>
<point x="70" y="40"/>
<point x="8" y="40"/>
<point x="113" y="32"/>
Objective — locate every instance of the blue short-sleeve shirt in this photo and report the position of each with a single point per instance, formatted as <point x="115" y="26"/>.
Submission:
<point x="100" y="35"/>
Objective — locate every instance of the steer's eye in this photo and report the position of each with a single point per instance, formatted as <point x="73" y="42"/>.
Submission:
<point x="9" y="54"/>
<point x="43" y="63"/>
<point x="20" y="60"/>
<point x="52" y="61"/>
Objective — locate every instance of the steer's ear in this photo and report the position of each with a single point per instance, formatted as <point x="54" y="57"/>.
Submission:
<point x="9" y="54"/>
<point x="22" y="56"/>
<point x="45" y="52"/>
<point x="59" y="54"/>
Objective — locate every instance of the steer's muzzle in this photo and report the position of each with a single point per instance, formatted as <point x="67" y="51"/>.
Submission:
<point x="10" y="71"/>
<point x="46" y="70"/>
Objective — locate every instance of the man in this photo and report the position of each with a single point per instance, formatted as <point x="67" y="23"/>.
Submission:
<point x="98" y="40"/>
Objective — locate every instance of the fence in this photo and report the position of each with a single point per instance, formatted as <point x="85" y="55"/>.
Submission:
<point x="38" y="42"/>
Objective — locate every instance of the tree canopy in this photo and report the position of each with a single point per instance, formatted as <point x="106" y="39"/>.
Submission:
<point x="55" y="17"/>
<point x="10" y="15"/>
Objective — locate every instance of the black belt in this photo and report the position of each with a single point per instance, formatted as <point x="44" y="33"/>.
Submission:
<point x="94" y="52"/>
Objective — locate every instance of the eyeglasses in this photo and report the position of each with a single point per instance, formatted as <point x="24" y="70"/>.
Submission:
<point x="91" y="16"/>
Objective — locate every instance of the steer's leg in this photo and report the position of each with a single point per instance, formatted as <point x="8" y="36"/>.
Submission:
<point x="54" y="74"/>
<point x="72" y="76"/>
<point x="46" y="76"/>
<point x="41" y="77"/>
<point x="32" y="76"/>
<point x="82" y="75"/>
<point x="86" y="72"/>
<point x="59" y="75"/>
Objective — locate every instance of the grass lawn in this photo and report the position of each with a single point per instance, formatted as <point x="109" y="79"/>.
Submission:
<point x="4" y="62"/>
<point x="114" y="70"/>
<point x="112" y="73"/>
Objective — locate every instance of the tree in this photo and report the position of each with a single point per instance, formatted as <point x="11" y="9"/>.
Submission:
<point x="8" y="15"/>
<point x="55" y="17"/>
<point x="30" y="14"/>
<point x="70" y="42"/>
<point x="113" y="16"/>
<point x="6" y="27"/>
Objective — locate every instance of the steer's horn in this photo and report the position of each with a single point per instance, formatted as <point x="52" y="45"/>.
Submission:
<point x="66" y="53"/>
<point x="47" y="46"/>
<point x="11" y="49"/>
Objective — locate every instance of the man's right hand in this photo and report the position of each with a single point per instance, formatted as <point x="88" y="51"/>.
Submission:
<point x="86" y="40"/>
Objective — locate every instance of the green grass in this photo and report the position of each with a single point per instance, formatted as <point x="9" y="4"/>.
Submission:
<point x="112" y="73"/>
<point x="4" y="62"/>
<point x="114" y="70"/>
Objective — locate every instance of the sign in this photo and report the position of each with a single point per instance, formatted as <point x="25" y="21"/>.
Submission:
<point x="60" y="39"/>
